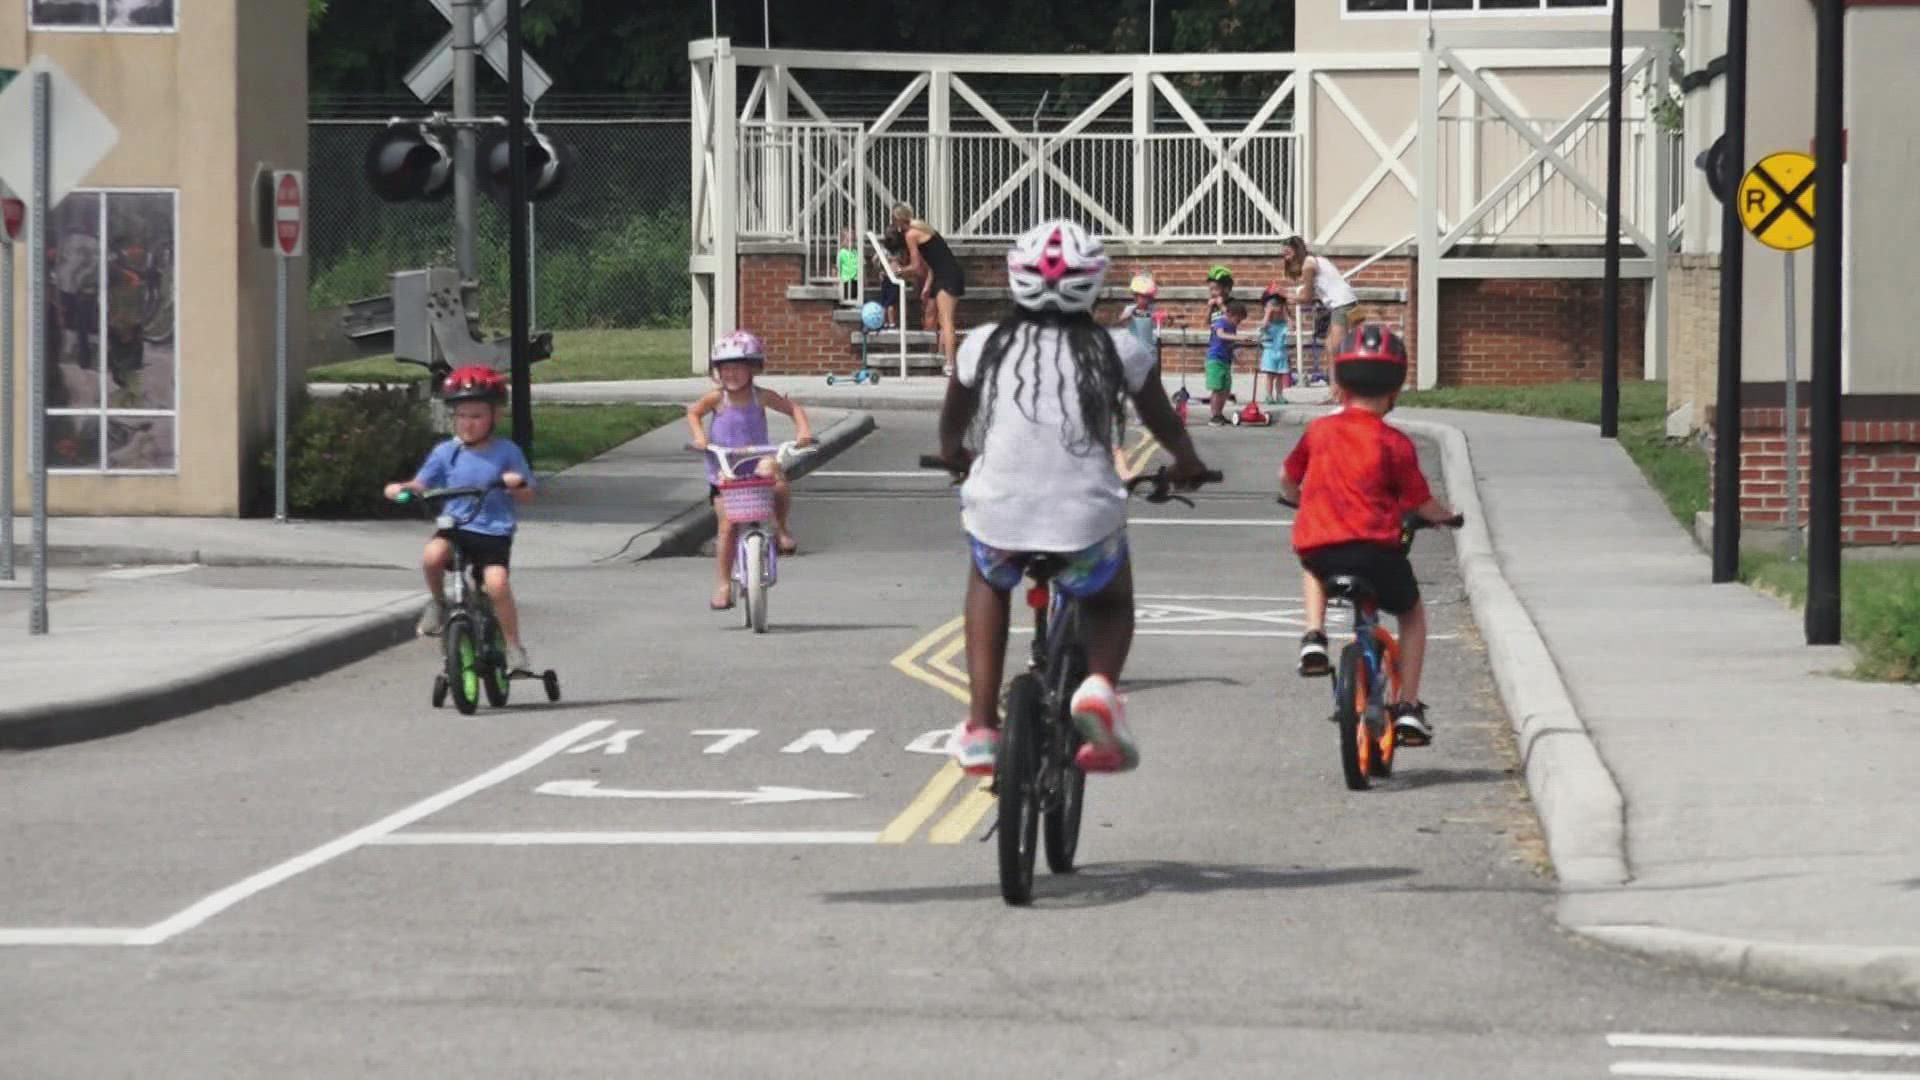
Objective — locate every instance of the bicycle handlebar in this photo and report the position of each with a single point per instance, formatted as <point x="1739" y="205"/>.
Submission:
<point x="784" y="453"/>
<point x="1409" y="521"/>
<point x="1161" y="480"/>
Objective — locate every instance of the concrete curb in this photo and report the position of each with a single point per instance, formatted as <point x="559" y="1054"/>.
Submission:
<point x="1890" y="974"/>
<point x="1581" y="811"/>
<point x="684" y="534"/>
<point x="303" y="656"/>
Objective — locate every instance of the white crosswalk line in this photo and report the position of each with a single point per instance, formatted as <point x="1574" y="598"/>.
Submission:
<point x="1662" y="1070"/>
<point x="1766" y="1044"/>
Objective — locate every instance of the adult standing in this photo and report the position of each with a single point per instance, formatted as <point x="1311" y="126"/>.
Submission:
<point x="942" y="281"/>
<point x="1320" y="280"/>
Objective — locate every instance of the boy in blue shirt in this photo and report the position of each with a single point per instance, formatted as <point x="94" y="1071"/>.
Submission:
<point x="474" y="458"/>
<point x="1220" y="341"/>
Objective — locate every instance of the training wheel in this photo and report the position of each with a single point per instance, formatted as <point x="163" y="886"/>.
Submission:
<point x="552" y="682"/>
<point x="873" y="378"/>
<point x="829" y="380"/>
<point x="439" y="690"/>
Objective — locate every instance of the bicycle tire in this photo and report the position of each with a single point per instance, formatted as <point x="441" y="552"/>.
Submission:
<point x="495" y="678"/>
<point x="1386" y="740"/>
<point x="1350" y="703"/>
<point x="462" y="659"/>
<point x="1061" y="824"/>
<point x="1016" y="773"/>
<point x="754" y="551"/>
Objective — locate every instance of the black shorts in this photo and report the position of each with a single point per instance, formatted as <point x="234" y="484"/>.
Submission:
<point x="481" y="549"/>
<point x="1384" y="566"/>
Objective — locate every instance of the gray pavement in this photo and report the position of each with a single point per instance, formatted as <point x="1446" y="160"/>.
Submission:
<point x="333" y="878"/>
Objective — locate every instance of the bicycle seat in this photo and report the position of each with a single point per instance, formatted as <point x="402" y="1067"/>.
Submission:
<point x="1350" y="587"/>
<point x="1042" y="568"/>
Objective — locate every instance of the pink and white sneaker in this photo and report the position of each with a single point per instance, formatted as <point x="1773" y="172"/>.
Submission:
<point x="975" y="749"/>
<point x="1101" y="715"/>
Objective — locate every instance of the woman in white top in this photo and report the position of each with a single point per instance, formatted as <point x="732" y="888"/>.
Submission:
<point x="1321" y="280"/>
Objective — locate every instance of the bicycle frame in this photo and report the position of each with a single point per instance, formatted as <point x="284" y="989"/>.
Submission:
<point x="730" y="458"/>
<point x="1377" y="648"/>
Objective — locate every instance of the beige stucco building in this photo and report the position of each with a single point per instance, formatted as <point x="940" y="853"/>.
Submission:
<point x="160" y="300"/>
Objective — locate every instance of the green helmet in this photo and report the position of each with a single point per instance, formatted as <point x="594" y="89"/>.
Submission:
<point x="1219" y="273"/>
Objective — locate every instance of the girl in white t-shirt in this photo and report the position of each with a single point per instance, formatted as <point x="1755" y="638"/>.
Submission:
<point x="1035" y="406"/>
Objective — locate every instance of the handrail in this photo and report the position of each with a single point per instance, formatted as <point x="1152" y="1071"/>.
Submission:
<point x="886" y="265"/>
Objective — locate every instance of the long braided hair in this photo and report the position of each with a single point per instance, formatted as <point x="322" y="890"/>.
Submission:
<point x="1013" y="350"/>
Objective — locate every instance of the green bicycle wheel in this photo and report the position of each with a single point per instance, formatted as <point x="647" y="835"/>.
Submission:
<point x="463" y="665"/>
<point x="496" y="675"/>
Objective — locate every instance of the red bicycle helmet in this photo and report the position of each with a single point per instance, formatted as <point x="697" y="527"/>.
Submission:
<point x="474" y="383"/>
<point x="1372" y="362"/>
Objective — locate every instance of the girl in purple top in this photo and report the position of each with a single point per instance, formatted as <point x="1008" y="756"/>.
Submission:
<point x="739" y="410"/>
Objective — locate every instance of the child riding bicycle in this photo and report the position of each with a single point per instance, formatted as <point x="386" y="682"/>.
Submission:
<point x="739" y="409"/>
<point x="474" y="458"/>
<point x="1353" y="477"/>
<point x="1041" y="396"/>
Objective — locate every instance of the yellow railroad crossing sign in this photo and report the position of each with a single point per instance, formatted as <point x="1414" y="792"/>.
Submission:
<point x="1776" y="201"/>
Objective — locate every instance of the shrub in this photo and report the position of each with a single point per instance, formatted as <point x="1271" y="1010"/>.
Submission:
<point x="1887" y="629"/>
<point x="342" y="450"/>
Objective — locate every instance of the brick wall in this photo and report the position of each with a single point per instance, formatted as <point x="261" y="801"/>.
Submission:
<point x="1879" y="476"/>
<point x="1505" y="332"/>
<point x="1491" y="331"/>
<point x="1693" y="335"/>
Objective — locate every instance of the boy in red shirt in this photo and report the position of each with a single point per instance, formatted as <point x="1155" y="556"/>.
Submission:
<point x="1353" y="477"/>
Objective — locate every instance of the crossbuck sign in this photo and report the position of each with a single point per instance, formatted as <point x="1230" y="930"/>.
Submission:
<point x="430" y="77"/>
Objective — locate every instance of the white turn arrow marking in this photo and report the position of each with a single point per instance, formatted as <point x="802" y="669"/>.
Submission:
<point x="591" y="789"/>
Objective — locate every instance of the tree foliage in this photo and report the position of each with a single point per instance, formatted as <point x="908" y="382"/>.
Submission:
<point x="597" y="47"/>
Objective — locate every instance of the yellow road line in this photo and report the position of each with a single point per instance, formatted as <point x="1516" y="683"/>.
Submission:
<point x="904" y="663"/>
<point x="902" y="828"/>
<point x="1145" y="452"/>
<point x="942" y="663"/>
<point x="958" y="824"/>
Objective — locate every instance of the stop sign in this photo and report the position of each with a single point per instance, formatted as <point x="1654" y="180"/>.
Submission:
<point x="13" y="213"/>
<point x="289" y="213"/>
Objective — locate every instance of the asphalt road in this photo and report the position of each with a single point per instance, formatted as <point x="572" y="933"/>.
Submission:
<point x="335" y="879"/>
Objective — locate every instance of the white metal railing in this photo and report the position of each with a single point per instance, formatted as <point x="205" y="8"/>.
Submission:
<point x="799" y="183"/>
<point x="879" y="249"/>
<point x="1478" y="153"/>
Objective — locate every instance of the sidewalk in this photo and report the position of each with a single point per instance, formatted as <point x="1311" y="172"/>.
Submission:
<point x="135" y="647"/>
<point x="1766" y="802"/>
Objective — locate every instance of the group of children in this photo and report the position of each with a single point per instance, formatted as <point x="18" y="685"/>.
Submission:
<point x="1034" y="409"/>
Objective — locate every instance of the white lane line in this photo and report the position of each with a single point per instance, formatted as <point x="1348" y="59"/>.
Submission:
<point x="1660" y="1070"/>
<point x="909" y="474"/>
<point x="333" y="849"/>
<point x="1140" y="631"/>
<point x="1766" y="1044"/>
<point x="565" y="839"/>
<point x="135" y="573"/>
<point x="1198" y="521"/>
<point x="1216" y="596"/>
<point x="68" y="935"/>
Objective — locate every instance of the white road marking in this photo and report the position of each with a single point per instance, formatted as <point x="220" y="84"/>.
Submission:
<point x="729" y="738"/>
<point x="938" y="741"/>
<point x="591" y="789"/>
<point x="1141" y="631"/>
<point x="829" y="740"/>
<point x="615" y="743"/>
<point x="563" y="839"/>
<point x="1200" y="521"/>
<point x="333" y="849"/>
<point x="68" y="935"/>
<point x="1213" y="596"/>
<point x="1766" y="1044"/>
<point x="134" y="573"/>
<point x="1659" y="1070"/>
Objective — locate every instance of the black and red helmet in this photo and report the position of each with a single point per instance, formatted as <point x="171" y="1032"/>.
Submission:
<point x="1372" y="362"/>
<point x="474" y="383"/>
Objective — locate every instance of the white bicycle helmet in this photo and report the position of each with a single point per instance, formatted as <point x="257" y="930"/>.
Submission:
<point x="1143" y="285"/>
<point x="739" y="345"/>
<point x="1057" y="266"/>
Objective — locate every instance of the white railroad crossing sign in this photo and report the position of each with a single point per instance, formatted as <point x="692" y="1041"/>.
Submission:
<point x="431" y="76"/>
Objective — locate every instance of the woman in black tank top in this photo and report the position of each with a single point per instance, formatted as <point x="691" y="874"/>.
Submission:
<point x="943" y="282"/>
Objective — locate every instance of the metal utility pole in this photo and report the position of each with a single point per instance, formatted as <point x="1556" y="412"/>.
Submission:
<point x="1610" y="290"/>
<point x="1823" y="478"/>
<point x="1726" y="433"/>
<point x="520" y="315"/>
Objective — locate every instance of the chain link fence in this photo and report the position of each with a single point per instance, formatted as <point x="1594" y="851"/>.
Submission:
<point x="610" y="250"/>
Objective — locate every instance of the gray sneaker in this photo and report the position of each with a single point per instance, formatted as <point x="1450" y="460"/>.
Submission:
<point x="432" y="619"/>
<point x="518" y="661"/>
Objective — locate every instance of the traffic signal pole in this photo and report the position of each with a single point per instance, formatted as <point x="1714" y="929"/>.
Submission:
<point x="521" y="316"/>
<point x="464" y="137"/>
<point x="1823" y="479"/>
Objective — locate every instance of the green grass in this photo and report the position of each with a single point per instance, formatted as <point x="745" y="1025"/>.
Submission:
<point x="1677" y="470"/>
<point x="566" y="435"/>
<point x="1879" y="607"/>
<point x="1879" y="598"/>
<point x="578" y="356"/>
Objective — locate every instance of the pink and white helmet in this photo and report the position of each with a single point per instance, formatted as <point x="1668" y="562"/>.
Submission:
<point x="1057" y="266"/>
<point x="739" y="345"/>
